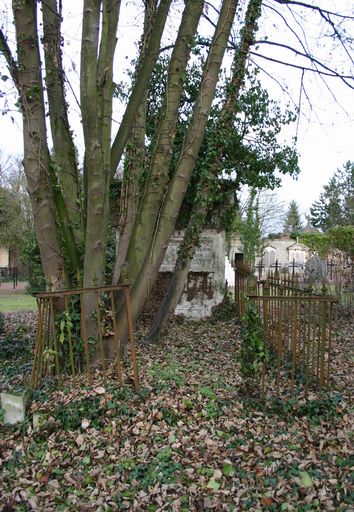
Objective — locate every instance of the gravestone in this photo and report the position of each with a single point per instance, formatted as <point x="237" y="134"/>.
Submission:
<point x="204" y="288"/>
<point x="315" y="270"/>
<point x="14" y="407"/>
<point x="268" y="257"/>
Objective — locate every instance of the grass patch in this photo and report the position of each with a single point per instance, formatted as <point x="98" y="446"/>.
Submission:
<point x="17" y="302"/>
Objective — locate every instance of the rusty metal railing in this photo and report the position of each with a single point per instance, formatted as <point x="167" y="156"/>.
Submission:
<point x="242" y="272"/>
<point x="298" y="328"/>
<point x="76" y="330"/>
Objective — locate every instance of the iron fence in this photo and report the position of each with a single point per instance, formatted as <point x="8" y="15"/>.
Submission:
<point x="242" y="273"/>
<point x="72" y="342"/>
<point x="298" y="328"/>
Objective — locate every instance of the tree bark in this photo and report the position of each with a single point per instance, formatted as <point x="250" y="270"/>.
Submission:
<point x="96" y="103"/>
<point x="178" y="186"/>
<point x="96" y="88"/>
<point x="66" y="168"/>
<point x="211" y="172"/>
<point x="140" y="84"/>
<point x="135" y="157"/>
<point x="129" y="200"/>
<point x="36" y="155"/>
<point x="158" y="173"/>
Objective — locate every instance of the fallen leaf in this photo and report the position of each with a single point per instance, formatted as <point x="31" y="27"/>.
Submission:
<point x="267" y="501"/>
<point x="217" y="474"/>
<point x="213" y="484"/>
<point x="80" y="439"/>
<point x="306" y="480"/>
<point x="99" y="390"/>
<point x="228" y="469"/>
<point x="85" y="423"/>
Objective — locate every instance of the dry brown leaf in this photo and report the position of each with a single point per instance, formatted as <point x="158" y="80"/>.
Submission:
<point x="267" y="501"/>
<point x="100" y="390"/>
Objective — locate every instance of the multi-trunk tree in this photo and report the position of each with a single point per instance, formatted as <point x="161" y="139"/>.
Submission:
<point x="70" y="201"/>
<point x="71" y="210"/>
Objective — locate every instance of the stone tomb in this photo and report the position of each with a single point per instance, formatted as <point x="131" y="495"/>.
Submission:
<point x="204" y="288"/>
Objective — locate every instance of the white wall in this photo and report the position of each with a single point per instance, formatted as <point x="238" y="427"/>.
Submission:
<point x="4" y="257"/>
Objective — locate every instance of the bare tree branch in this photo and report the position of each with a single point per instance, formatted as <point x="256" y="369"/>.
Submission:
<point x="325" y="71"/>
<point x="326" y="15"/>
<point x="314" y="8"/>
<point x="11" y="63"/>
<point x="272" y="77"/>
<point x="284" y="63"/>
<point x="295" y="34"/>
<point x="338" y="35"/>
<point x="301" y="90"/>
<point x="205" y="16"/>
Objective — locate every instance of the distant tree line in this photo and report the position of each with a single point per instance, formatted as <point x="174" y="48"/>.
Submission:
<point x="333" y="215"/>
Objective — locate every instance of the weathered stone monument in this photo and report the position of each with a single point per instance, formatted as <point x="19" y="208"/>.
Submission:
<point x="14" y="407"/>
<point x="315" y="270"/>
<point x="204" y="288"/>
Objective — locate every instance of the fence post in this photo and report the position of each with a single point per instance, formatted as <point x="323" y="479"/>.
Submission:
<point x="251" y="285"/>
<point x="330" y="329"/>
<point x="323" y="320"/>
<point x="266" y="293"/>
<point x="236" y="292"/>
<point x="131" y="337"/>
<point x="14" y="277"/>
<point x="279" y="335"/>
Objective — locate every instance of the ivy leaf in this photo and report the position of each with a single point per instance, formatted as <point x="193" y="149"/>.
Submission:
<point x="213" y="484"/>
<point x="228" y="469"/>
<point x="306" y="480"/>
<point x="207" y="392"/>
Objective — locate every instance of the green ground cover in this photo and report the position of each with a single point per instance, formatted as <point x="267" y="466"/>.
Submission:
<point x="188" y="440"/>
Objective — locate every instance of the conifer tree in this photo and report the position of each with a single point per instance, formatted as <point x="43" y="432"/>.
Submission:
<point x="335" y="206"/>
<point x="250" y="230"/>
<point x="292" y="223"/>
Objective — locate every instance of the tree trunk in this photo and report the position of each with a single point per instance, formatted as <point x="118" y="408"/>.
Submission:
<point x="135" y="157"/>
<point x="158" y="174"/>
<point x="172" y="295"/>
<point x="96" y="82"/>
<point x="36" y="155"/>
<point x="140" y="84"/>
<point x="129" y="200"/>
<point x="178" y="186"/>
<point x="211" y="172"/>
<point x="66" y="168"/>
<point x="96" y="103"/>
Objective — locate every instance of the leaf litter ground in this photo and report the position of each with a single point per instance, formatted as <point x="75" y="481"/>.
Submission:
<point x="188" y="440"/>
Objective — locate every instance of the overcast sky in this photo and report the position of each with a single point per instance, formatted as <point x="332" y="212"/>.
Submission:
<point x="325" y="130"/>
